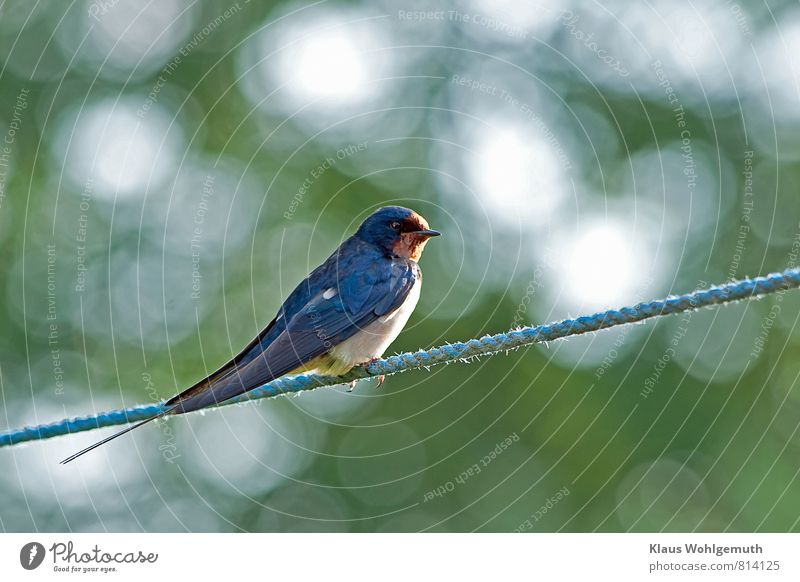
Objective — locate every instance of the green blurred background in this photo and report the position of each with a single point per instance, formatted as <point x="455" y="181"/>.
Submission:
<point x="170" y="170"/>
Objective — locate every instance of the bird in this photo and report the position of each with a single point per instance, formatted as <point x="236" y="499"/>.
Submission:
<point x="345" y="313"/>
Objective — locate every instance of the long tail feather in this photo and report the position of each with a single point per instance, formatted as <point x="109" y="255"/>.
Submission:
<point x="112" y="437"/>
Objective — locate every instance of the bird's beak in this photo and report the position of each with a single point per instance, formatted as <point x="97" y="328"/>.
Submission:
<point x="428" y="233"/>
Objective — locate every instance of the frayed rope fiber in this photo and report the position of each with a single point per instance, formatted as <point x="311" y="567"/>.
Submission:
<point x="489" y="344"/>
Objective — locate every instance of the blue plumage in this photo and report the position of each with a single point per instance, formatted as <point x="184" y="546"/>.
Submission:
<point x="346" y="312"/>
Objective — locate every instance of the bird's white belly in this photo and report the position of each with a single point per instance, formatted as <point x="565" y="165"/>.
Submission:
<point x="373" y="340"/>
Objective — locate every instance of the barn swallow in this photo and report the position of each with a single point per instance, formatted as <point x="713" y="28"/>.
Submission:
<point x="345" y="313"/>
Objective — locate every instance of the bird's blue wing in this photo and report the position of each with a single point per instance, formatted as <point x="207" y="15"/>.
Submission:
<point x="320" y="278"/>
<point x="296" y="300"/>
<point x="360" y="296"/>
<point x="325" y="323"/>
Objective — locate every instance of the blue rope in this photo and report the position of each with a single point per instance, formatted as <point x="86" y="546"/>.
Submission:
<point x="488" y="344"/>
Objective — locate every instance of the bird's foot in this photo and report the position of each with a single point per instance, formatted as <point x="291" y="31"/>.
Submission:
<point x="352" y="385"/>
<point x="382" y="377"/>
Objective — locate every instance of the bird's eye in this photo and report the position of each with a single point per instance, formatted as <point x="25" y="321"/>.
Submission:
<point x="395" y="225"/>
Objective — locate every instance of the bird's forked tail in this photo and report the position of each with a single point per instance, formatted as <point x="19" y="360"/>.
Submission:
<point x="113" y="436"/>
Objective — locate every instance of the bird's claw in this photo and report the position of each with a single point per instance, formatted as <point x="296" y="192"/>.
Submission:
<point x="352" y="385"/>
<point x="382" y="377"/>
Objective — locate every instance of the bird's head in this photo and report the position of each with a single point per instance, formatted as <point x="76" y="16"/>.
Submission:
<point x="397" y="230"/>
